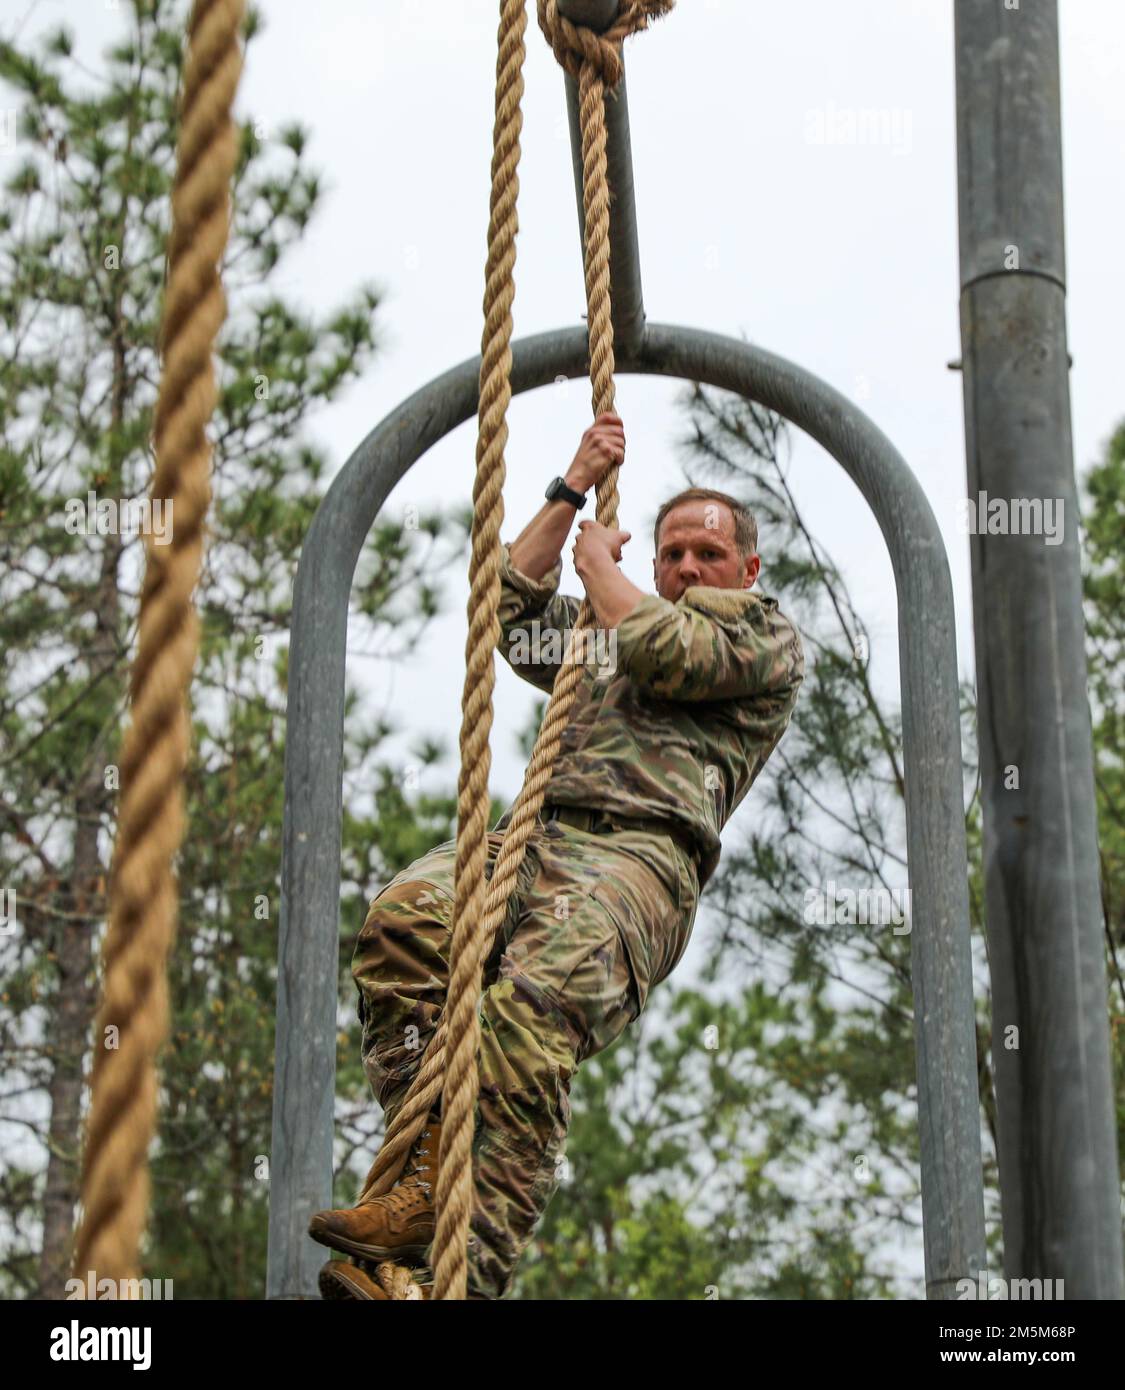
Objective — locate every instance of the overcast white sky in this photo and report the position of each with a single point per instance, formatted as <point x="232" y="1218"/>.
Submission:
<point x="841" y="258"/>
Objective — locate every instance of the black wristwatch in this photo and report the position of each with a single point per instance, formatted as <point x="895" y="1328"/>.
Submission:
<point x="558" y="489"/>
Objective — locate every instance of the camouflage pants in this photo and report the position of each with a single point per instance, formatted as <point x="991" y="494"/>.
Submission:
<point x="595" y="922"/>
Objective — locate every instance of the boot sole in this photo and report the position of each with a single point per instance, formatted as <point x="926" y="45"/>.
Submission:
<point x="335" y="1241"/>
<point x="338" y="1288"/>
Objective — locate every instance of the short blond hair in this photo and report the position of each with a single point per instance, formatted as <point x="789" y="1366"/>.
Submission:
<point x="745" y="525"/>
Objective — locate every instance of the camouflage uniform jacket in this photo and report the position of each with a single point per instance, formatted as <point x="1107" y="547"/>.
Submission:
<point x="702" y="691"/>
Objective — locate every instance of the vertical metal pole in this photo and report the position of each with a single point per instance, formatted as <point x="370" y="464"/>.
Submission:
<point x="1058" y="1150"/>
<point x="624" y="246"/>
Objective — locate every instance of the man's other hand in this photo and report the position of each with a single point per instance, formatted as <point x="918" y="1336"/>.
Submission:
<point x="596" y="544"/>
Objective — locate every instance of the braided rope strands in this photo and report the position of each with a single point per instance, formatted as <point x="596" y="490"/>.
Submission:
<point x="143" y="896"/>
<point x="595" y="60"/>
<point x="454" y="1186"/>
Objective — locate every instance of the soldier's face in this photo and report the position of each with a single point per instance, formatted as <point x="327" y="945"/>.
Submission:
<point x="697" y="547"/>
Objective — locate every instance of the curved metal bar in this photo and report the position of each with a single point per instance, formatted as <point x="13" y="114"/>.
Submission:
<point x="308" y="948"/>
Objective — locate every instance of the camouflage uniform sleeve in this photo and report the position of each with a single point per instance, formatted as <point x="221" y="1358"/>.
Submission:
<point x="534" y="620"/>
<point x="714" y="644"/>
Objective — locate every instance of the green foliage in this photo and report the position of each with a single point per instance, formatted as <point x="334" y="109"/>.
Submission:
<point x="674" y="1184"/>
<point x="1104" y="587"/>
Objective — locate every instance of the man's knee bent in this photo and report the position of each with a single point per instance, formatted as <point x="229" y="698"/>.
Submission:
<point x="405" y="938"/>
<point x="526" y="1057"/>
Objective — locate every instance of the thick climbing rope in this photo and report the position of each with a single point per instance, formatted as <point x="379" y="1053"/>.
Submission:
<point x="450" y="1062"/>
<point x="143" y="895"/>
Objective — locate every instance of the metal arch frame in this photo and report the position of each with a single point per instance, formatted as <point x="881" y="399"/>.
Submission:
<point x="308" y="950"/>
<point x="308" y="944"/>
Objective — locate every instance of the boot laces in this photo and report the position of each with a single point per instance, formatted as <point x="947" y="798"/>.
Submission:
<point x="412" y="1167"/>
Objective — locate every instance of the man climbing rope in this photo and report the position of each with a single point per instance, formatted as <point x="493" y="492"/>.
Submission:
<point x="684" y="695"/>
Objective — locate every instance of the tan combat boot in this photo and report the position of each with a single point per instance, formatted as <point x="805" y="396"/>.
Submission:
<point x="397" y="1226"/>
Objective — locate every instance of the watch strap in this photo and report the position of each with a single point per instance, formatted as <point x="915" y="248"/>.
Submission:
<point x="558" y="490"/>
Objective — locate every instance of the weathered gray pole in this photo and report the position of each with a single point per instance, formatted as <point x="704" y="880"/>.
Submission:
<point x="624" y="248"/>
<point x="1050" y="1037"/>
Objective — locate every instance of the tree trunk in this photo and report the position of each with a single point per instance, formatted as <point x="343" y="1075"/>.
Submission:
<point x="84" y="904"/>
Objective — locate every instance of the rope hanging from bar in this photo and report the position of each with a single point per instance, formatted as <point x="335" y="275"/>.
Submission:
<point x="150" y="823"/>
<point x="449" y="1065"/>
